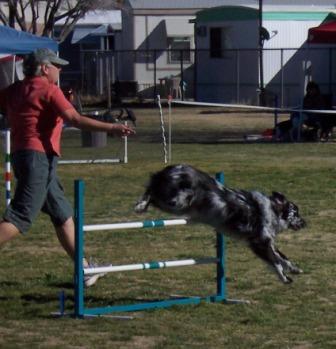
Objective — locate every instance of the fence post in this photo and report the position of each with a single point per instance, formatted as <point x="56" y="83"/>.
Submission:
<point x="276" y="113"/>
<point x="155" y="77"/>
<point x="195" y="95"/>
<point x="182" y="77"/>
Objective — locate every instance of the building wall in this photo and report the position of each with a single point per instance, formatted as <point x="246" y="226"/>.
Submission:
<point x="298" y="62"/>
<point x="287" y="59"/>
<point x="286" y="34"/>
<point x="153" y="33"/>
<point x="124" y="42"/>
<point x="216" y="76"/>
<point x="145" y="33"/>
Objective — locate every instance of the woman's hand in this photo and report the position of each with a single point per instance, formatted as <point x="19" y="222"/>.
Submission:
<point x="88" y="124"/>
<point x="121" y="130"/>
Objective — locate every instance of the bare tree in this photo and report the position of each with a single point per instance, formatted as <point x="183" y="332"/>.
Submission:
<point x="40" y="16"/>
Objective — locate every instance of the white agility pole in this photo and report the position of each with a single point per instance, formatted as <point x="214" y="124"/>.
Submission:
<point x="125" y="147"/>
<point x="259" y="108"/>
<point x="96" y="161"/>
<point x="246" y="106"/>
<point x="163" y="130"/>
<point x="169" y="129"/>
<point x="135" y="225"/>
<point x="149" y="265"/>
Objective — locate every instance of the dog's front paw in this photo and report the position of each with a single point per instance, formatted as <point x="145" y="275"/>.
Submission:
<point x="287" y="280"/>
<point x="282" y="276"/>
<point x="292" y="268"/>
<point x="141" y="206"/>
<point x="296" y="270"/>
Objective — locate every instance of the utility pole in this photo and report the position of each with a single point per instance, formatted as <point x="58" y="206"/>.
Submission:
<point x="261" y="60"/>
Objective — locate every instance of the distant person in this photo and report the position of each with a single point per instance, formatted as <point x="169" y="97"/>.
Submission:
<point x="36" y="109"/>
<point x="313" y="100"/>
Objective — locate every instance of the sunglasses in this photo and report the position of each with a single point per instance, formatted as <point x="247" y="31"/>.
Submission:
<point x="58" y="66"/>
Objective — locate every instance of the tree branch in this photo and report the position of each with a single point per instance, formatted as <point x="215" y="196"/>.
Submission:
<point x="19" y="11"/>
<point x="49" y="17"/>
<point x="3" y="18"/>
<point x="35" y="16"/>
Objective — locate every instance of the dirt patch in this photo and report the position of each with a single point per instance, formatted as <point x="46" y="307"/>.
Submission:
<point x="142" y="342"/>
<point x="327" y="213"/>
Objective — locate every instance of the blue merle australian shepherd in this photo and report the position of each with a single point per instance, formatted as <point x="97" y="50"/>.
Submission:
<point x="251" y="216"/>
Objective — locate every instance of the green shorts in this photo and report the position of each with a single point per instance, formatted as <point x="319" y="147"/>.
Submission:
<point x="37" y="189"/>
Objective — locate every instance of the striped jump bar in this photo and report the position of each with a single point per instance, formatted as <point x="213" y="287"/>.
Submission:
<point x="134" y="225"/>
<point x="8" y="167"/>
<point x="149" y="265"/>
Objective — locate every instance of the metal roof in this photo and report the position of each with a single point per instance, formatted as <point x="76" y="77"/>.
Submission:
<point x="234" y="13"/>
<point x="200" y="4"/>
<point x="112" y="17"/>
<point x="183" y="4"/>
<point x="102" y="17"/>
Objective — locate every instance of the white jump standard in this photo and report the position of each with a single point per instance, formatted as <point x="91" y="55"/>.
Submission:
<point x="81" y="310"/>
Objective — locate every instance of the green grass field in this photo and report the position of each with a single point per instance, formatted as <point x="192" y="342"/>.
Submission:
<point x="34" y="268"/>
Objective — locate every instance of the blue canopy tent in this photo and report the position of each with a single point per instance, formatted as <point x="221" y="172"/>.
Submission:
<point x="16" y="42"/>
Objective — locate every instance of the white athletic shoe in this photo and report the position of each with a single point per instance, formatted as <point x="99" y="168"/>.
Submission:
<point x="90" y="280"/>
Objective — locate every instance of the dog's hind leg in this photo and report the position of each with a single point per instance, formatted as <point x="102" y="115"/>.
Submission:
<point x="292" y="268"/>
<point x="143" y="203"/>
<point x="267" y="252"/>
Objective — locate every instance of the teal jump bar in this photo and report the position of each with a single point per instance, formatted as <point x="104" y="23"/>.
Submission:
<point x="136" y="225"/>
<point x="149" y="265"/>
<point x="152" y="305"/>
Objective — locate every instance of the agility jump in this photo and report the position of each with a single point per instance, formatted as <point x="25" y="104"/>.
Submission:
<point x="120" y="160"/>
<point x="81" y="310"/>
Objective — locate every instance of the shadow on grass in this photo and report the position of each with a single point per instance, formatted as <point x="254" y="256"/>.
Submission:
<point x="62" y="285"/>
<point x="98" y="301"/>
<point x="39" y="298"/>
<point x="8" y="284"/>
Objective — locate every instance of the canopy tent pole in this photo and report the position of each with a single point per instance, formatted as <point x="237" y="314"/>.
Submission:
<point x="13" y="70"/>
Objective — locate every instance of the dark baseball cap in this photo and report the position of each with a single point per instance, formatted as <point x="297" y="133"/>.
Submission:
<point x="45" y="56"/>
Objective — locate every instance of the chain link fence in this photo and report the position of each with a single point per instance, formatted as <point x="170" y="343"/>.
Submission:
<point x="231" y="76"/>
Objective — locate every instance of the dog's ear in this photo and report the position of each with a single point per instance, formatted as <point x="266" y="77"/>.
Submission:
<point x="278" y="199"/>
<point x="278" y="196"/>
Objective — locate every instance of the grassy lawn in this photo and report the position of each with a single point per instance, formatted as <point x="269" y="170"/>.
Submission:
<point x="34" y="269"/>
